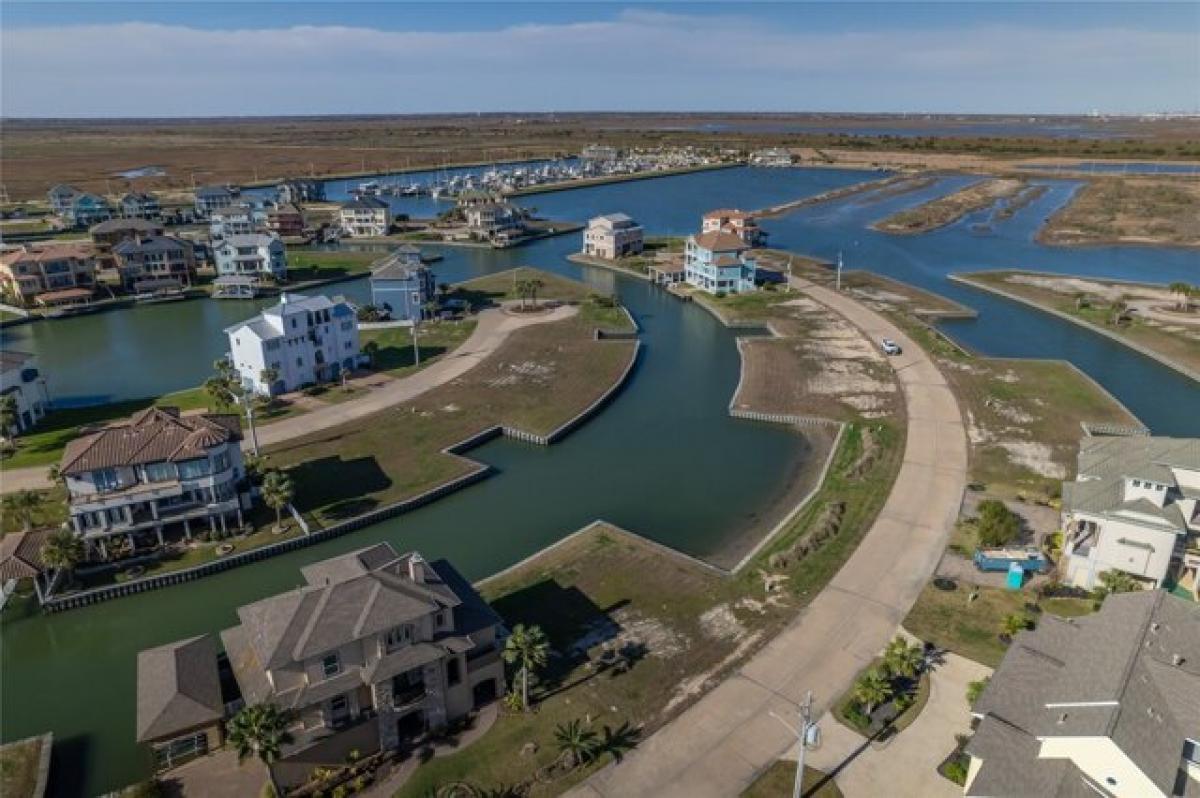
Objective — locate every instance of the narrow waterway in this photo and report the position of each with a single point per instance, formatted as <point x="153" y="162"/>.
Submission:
<point x="664" y="459"/>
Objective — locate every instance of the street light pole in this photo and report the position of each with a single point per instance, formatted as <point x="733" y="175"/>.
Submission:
<point x="807" y="727"/>
<point x="248" y="403"/>
<point x="416" y="349"/>
<point x="839" y="271"/>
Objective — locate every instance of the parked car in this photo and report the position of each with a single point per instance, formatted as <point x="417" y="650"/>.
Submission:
<point x="890" y="347"/>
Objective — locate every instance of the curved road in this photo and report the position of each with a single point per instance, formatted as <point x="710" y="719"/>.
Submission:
<point x="493" y="328"/>
<point x="720" y="744"/>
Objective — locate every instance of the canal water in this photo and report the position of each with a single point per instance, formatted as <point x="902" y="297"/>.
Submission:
<point x="663" y="459"/>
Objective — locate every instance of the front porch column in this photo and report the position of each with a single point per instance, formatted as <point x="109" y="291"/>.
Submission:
<point x="224" y="526"/>
<point x="187" y="529"/>
<point x="241" y="523"/>
<point x="128" y="513"/>
<point x="103" y="549"/>
<point x="212" y="524"/>
<point x="132" y="543"/>
<point x="158" y="533"/>
<point x="75" y="522"/>
<point x="154" y="510"/>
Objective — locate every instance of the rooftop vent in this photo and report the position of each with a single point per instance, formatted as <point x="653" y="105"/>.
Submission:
<point x="1176" y="660"/>
<point x="416" y="570"/>
<point x="1062" y="718"/>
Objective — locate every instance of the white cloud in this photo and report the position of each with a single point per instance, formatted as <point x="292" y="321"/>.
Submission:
<point x="639" y="60"/>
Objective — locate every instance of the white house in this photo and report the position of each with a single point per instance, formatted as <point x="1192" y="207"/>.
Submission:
<point x="719" y="262"/>
<point x="251" y="255"/>
<point x="20" y="379"/>
<point x="239" y="219"/>
<point x="1106" y="704"/>
<point x="611" y="236"/>
<point x="1132" y="507"/>
<point x="304" y="339"/>
<point x="494" y="220"/>
<point x="365" y="216"/>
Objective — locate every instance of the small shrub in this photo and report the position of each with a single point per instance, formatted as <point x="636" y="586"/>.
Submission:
<point x="956" y="771"/>
<point x="997" y="525"/>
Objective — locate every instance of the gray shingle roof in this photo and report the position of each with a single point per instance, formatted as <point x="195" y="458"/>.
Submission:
<point x="365" y="204"/>
<point x="1131" y="672"/>
<point x="177" y="688"/>
<point x="1106" y="462"/>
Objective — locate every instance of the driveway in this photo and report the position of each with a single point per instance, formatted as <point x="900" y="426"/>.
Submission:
<point x="493" y="328"/>
<point x="719" y="745"/>
<point x="907" y="763"/>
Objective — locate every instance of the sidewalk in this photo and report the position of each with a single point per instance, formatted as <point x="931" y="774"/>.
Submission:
<point x="719" y="745"/>
<point x="494" y="327"/>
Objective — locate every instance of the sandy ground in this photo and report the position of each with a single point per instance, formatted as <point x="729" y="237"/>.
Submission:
<point x="1158" y="304"/>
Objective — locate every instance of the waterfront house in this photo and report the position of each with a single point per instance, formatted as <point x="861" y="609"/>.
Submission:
<point x="739" y="223"/>
<point x="1134" y="506"/>
<point x="402" y="285"/>
<point x="306" y="340"/>
<point x="153" y="477"/>
<point x="48" y="275"/>
<point x="491" y="221"/>
<point x="300" y="190"/>
<point x="1101" y="705"/>
<point x="258" y="255"/>
<point x="180" y="706"/>
<point x="611" y="236"/>
<point x="719" y="262"/>
<point x="772" y="156"/>
<point x="286" y="220"/>
<point x="374" y="649"/>
<point x="107" y="235"/>
<point x="151" y="263"/>
<point x="140" y="205"/>
<point x="365" y="216"/>
<point x="87" y="210"/>
<point x="21" y="379"/>
<point x="238" y="219"/>
<point x="599" y="153"/>
<point x="60" y="198"/>
<point x="212" y="198"/>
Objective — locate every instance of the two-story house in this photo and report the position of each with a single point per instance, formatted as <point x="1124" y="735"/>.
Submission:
<point x="155" y="477"/>
<point x="140" y="205"/>
<point x="1133" y="506"/>
<point x="148" y="263"/>
<point x="49" y="274"/>
<point x="402" y="285"/>
<point x="20" y="379"/>
<point x="365" y="216"/>
<point x="255" y="255"/>
<point x="731" y="220"/>
<point x="304" y="340"/>
<point x="614" y="235"/>
<point x="299" y="190"/>
<point x="719" y="262"/>
<point x="238" y="219"/>
<point x="87" y="210"/>
<point x="373" y="639"/>
<point x="60" y="198"/>
<point x="213" y="198"/>
<point x="1102" y="705"/>
<point x="107" y="235"/>
<point x="490" y="221"/>
<point x="286" y="220"/>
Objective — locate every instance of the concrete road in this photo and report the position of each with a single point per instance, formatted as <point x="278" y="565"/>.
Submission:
<point x="906" y="764"/>
<point x="493" y="328"/>
<point x="719" y="745"/>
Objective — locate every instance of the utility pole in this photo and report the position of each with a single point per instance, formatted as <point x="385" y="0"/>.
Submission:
<point x="839" y="271"/>
<point x="416" y="349"/>
<point x="248" y="403"/>
<point x="807" y="734"/>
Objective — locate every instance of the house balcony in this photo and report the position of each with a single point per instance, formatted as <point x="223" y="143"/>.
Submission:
<point x="409" y="696"/>
<point x="143" y="519"/>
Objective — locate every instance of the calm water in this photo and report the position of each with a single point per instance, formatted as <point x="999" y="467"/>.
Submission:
<point x="657" y="460"/>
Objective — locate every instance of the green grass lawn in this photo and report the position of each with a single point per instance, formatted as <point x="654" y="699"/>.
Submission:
<point x="778" y="780"/>
<point x="972" y="629"/>
<point x="305" y="265"/>
<point x="502" y="286"/>
<point x="434" y="339"/>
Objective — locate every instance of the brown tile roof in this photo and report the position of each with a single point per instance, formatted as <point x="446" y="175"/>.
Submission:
<point x="47" y="252"/>
<point x="21" y="554"/>
<point x="721" y="241"/>
<point x="151" y="435"/>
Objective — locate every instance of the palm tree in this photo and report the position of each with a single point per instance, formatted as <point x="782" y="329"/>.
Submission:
<point x="22" y="505"/>
<point x="901" y="659"/>
<point x="1118" y="309"/>
<point x="976" y="688"/>
<point x="8" y="415"/>
<point x="62" y="551"/>
<point x="1115" y="581"/>
<point x="1014" y="623"/>
<point x="277" y="492"/>
<point x="260" y="731"/>
<point x="528" y="290"/>
<point x="269" y="376"/>
<point x="528" y="648"/>
<point x="1183" y="294"/>
<point x="872" y="689"/>
<point x="371" y="350"/>
<point x="576" y="742"/>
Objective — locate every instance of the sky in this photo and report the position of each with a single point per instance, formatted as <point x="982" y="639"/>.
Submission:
<point x="184" y="58"/>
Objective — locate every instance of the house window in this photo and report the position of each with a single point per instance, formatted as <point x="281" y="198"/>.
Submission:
<point x="193" y="469"/>
<point x="159" y="472"/>
<point x="331" y="665"/>
<point x="1191" y="751"/>
<point x="453" y="672"/>
<point x="397" y="637"/>
<point x="106" y="479"/>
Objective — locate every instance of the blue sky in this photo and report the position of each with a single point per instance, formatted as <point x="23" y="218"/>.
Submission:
<point x="203" y="59"/>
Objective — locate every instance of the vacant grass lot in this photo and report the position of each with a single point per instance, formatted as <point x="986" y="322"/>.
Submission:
<point x="972" y="628"/>
<point x="777" y="782"/>
<point x="19" y="768"/>
<point x="434" y="339"/>
<point x="1178" y="342"/>
<point x="1129" y="210"/>
<point x="946" y="210"/>
<point x="305" y="265"/>
<point x="536" y="381"/>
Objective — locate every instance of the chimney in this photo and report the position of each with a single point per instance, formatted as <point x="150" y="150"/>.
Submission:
<point x="416" y="567"/>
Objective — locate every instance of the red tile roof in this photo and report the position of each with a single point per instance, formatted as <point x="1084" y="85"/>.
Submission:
<point x="152" y="435"/>
<point x="721" y="241"/>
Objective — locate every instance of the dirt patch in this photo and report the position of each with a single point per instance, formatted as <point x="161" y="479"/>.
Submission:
<point x="720" y="623"/>
<point x="626" y="629"/>
<point x="695" y="685"/>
